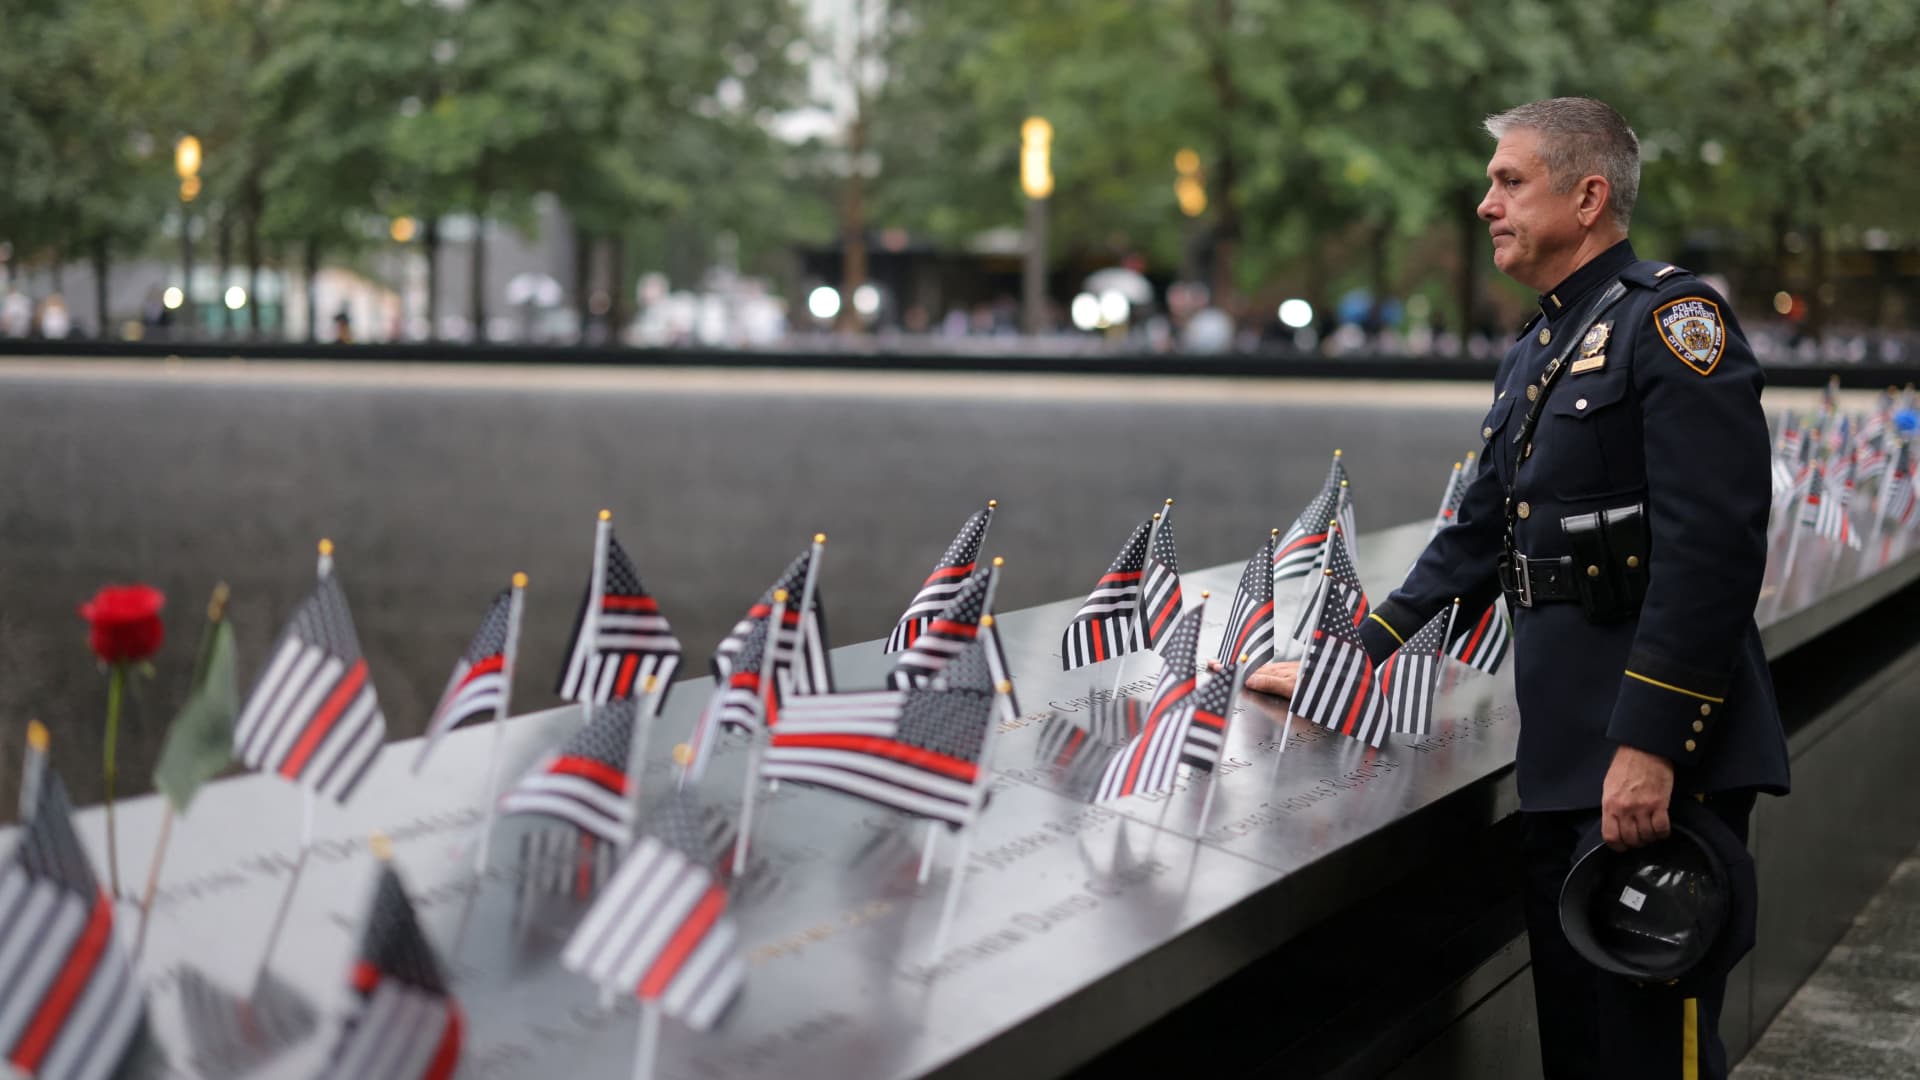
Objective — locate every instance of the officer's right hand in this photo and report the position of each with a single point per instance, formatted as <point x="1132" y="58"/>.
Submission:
<point x="1277" y="679"/>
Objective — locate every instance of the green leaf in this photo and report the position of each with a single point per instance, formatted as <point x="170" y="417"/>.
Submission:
<point x="200" y="742"/>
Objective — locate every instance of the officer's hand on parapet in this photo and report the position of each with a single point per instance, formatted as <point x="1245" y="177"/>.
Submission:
<point x="1276" y="679"/>
<point x="1633" y="801"/>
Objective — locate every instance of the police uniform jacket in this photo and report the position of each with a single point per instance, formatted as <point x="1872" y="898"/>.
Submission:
<point x="1659" y="406"/>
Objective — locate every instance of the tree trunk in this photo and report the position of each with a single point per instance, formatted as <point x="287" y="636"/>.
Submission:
<point x="1469" y="264"/>
<point x="853" y="222"/>
<point x="226" y="274"/>
<point x="477" y="287"/>
<point x="102" y="320"/>
<point x="1380" y="283"/>
<point x="620" y="309"/>
<point x="583" y="242"/>
<point x="311" y="268"/>
<point x="250" y="241"/>
<point x="430" y="246"/>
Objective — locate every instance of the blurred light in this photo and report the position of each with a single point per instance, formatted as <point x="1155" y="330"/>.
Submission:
<point x="1186" y="162"/>
<point x="1192" y="196"/>
<point x="1036" y="158"/>
<point x="1877" y="240"/>
<point x="1712" y="152"/>
<point x="186" y="157"/>
<point x="866" y="299"/>
<point x="1086" y="311"/>
<point x="1783" y="301"/>
<point x="173" y="298"/>
<point x="1114" y="307"/>
<point x="403" y="229"/>
<point x="190" y="189"/>
<point x="824" y="302"/>
<point x="1296" y="313"/>
<point x="236" y="298"/>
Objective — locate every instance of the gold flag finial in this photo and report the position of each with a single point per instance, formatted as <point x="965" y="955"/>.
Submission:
<point x="382" y="846"/>
<point x="326" y="546"/>
<point x="779" y="596"/>
<point x="819" y="538"/>
<point x="682" y="753"/>
<point x="986" y="621"/>
<point x="606" y="515"/>
<point x="1243" y="658"/>
<point x="520" y="580"/>
<point x="37" y="736"/>
<point x="1336" y="451"/>
<point x="647" y="684"/>
<point x="1156" y="517"/>
<point x="217" y="603"/>
<point x="998" y="562"/>
<point x="1204" y="593"/>
<point x="993" y="504"/>
<point x="1169" y="502"/>
<point x="1005" y="686"/>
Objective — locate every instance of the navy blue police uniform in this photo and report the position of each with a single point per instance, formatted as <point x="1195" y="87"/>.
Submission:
<point x="1620" y="505"/>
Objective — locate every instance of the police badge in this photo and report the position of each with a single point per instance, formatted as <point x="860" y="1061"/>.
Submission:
<point x="1693" y="330"/>
<point x="1593" y="349"/>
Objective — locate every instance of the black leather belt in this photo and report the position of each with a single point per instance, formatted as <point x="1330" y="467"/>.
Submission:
<point x="1531" y="582"/>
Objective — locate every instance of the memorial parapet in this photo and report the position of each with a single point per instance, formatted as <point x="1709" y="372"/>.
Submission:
<point x="1076" y="925"/>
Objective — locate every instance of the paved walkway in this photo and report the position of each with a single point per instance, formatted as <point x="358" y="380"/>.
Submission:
<point x="1859" y="1016"/>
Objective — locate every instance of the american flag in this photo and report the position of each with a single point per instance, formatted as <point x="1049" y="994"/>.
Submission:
<point x="806" y="668"/>
<point x="69" y="1004"/>
<point x="227" y="1036"/>
<point x="313" y="716"/>
<point x="1792" y="438"/>
<point x="1897" y="494"/>
<point x="630" y="639"/>
<point x="1075" y="749"/>
<point x="660" y="930"/>
<point x="1869" y="460"/>
<point x="1250" y="618"/>
<point x="585" y="783"/>
<point x="1876" y="425"/>
<point x="1299" y="549"/>
<point x="741" y="699"/>
<point x="1482" y="644"/>
<point x="1108" y="624"/>
<point x="1345" y="517"/>
<point x="982" y="668"/>
<point x="917" y="751"/>
<point x="942" y="638"/>
<point x="1782" y="479"/>
<point x="946" y="581"/>
<point x="564" y="861"/>
<point x="1826" y="511"/>
<point x="1341" y="587"/>
<point x="1336" y="687"/>
<point x="1150" y="760"/>
<point x="1207" y="720"/>
<point x="405" y="1023"/>
<point x="1450" y="499"/>
<point x="478" y="687"/>
<point x="1411" y="676"/>
<point x="1160" y="589"/>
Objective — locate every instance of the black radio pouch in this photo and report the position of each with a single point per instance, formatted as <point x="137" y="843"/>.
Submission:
<point x="1609" y="570"/>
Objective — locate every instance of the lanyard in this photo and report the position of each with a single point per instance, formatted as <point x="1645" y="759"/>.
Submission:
<point x="1548" y="380"/>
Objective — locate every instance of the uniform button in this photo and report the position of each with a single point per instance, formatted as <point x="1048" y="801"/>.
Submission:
<point x="1632" y="562"/>
<point x="1581" y="404"/>
<point x="1546" y="335"/>
<point x="1691" y="746"/>
<point x="1706" y="710"/>
<point x="1524" y="510"/>
<point x="1486" y="433"/>
<point x="1699" y="726"/>
<point x="1593" y="571"/>
<point x="1533" y="393"/>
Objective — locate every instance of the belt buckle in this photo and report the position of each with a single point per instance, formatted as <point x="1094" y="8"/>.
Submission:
<point x="1523" y="579"/>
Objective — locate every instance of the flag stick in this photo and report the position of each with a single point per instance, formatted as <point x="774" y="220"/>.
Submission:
<point x="1319" y="608"/>
<point x="153" y="881"/>
<point x="647" y="1049"/>
<point x="596" y="595"/>
<point x="959" y="871"/>
<point x="807" y="589"/>
<point x="927" y="850"/>
<point x="1446" y="646"/>
<point x="515" y="603"/>
<point x="216" y="611"/>
<point x="700" y="742"/>
<point x="280" y="917"/>
<point x="637" y="760"/>
<point x="1793" y="550"/>
<point x="769" y="694"/>
<point x="1226" y="727"/>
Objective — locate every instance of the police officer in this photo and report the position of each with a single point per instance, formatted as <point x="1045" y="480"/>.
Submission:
<point x="1620" y="504"/>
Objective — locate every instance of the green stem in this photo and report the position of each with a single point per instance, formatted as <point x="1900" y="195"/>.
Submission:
<point x="116" y="680"/>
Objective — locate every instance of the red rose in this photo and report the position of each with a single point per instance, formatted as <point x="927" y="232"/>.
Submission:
<point x="125" y="621"/>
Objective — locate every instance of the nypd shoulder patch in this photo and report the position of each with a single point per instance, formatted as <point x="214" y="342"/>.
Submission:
<point x="1693" y="329"/>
